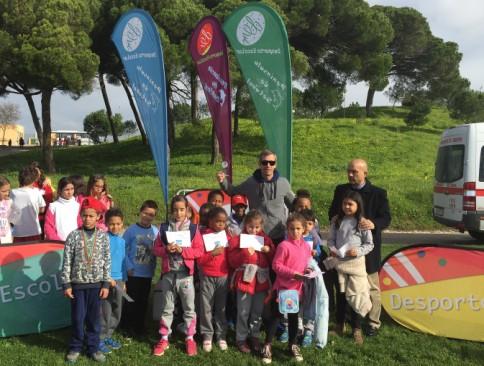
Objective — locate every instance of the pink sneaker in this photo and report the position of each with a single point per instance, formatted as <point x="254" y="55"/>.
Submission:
<point x="160" y="348"/>
<point x="191" y="346"/>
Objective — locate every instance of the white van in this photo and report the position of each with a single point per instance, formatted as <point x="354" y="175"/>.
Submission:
<point x="458" y="199"/>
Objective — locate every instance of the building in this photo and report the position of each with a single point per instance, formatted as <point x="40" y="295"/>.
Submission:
<point x="10" y="134"/>
<point x="70" y="137"/>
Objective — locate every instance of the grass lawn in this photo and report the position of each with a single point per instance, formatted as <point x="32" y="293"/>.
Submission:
<point x="394" y="345"/>
<point x="401" y="160"/>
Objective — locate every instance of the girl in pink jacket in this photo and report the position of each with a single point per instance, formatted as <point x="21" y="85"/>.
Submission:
<point x="290" y="263"/>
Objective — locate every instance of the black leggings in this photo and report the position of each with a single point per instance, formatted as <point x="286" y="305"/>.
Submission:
<point x="275" y="318"/>
<point x="342" y="307"/>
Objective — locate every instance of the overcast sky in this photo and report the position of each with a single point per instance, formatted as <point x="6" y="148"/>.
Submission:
<point x="460" y="21"/>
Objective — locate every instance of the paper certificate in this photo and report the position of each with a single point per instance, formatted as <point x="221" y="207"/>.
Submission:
<point x="215" y="240"/>
<point x="251" y="241"/>
<point x="341" y="252"/>
<point x="180" y="238"/>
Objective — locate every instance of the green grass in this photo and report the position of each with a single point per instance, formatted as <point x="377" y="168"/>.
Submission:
<point x="401" y="160"/>
<point x="394" y="345"/>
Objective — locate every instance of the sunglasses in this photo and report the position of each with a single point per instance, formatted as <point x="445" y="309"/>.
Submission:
<point x="268" y="162"/>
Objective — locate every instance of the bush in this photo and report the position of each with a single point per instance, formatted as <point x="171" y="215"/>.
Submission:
<point x="420" y="108"/>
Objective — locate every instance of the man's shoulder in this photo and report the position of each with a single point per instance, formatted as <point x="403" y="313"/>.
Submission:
<point x="375" y="189"/>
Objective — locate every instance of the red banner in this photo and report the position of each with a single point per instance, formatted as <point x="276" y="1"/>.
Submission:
<point x="208" y="49"/>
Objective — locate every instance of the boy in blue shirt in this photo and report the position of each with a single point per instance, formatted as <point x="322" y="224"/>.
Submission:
<point x="112" y="306"/>
<point x="140" y="264"/>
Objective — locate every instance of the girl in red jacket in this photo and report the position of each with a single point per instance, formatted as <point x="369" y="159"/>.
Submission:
<point x="178" y="264"/>
<point x="250" y="279"/>
<point x="214" y="269"/>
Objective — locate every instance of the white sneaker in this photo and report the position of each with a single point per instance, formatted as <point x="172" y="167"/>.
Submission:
<point x="222" y="344"/>
<point x="207" y="346"/>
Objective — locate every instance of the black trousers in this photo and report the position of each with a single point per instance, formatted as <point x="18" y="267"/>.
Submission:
<point x="275" y="318"/>
<point x="134" y="313"/>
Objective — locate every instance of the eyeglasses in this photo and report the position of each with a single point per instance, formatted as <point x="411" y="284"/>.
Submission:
<point x="268" y="162"/>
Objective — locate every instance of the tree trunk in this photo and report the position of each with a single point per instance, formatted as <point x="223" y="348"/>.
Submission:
<point x="236" y="111"/>
<point x="215" y="147"/>
<point x="134" y="109"/>
<point x="194" y="95"/>
<point x="47" y="151"/>
<point x="108" y="107"/>
<point x="171" y="121"/>
<point x="35" y="117"/>
<point x="369" y="101"/>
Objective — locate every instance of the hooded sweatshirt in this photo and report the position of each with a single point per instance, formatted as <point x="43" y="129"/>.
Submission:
<point x="238" y="257"/>
<point x="292" y="256"/>
<point x="271" y="197"/>
<point x="61" y="218"/>
<point x="213" y="266"/>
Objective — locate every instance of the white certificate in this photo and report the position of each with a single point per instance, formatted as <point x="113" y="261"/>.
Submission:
<point x="341" y="252"/>
<point x="251" y="241"/>
<point x="180" y="238"/>
<point x="215" y="240"/>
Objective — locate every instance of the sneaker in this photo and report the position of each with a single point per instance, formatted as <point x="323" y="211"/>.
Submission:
<point x="284" y="337"/>
<point x="112" y="343"/>
<point x="243" y="347"/>
<point x="103" y="348"/>
<point x="207" y="345"/>
<point x="222" y="344"/>
<point x="307" y="340"/>
<point x="358" y="336"/>
<point x="266" y="354"/>
<point x="72" y="356"/>
<point x="98" y="356"/>
<point x="191" y="347"/>
<point x="296" y="353"/>
<point x="255" y="344"/>
<point x="371" y="331"/>
<point x="160" y="348"/>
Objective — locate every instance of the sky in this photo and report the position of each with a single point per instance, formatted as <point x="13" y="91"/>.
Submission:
<point x="460" y="21"/>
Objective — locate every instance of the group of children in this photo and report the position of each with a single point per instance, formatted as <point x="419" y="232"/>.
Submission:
<point x="214" y="266"/>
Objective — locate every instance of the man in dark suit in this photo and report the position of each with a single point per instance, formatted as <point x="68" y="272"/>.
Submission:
<point x="377" y="217"/>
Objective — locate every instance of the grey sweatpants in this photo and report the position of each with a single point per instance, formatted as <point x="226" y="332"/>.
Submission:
<point x="249" y="314"/>
<point x="111" y="311"/>
<point x="181" y="283"/>
<point x="213" y="297"/>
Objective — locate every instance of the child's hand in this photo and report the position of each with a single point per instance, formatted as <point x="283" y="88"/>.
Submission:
<point x="220" y="176"/>
<point x="266" y="249"/>
<point x="307" y="270"/>
<point x="103" y="294"/>
<point x="171" y="248"/>
<point x="298" y="276"/>
<point x="68" y="293"/>
<point x="314" y="253"/>
<point x="217" y="251"/>
<point x="112" y="283"/>
<point x="178" y="249"/>
<point x="351" y="253"/>
<point x="251" y="251"/>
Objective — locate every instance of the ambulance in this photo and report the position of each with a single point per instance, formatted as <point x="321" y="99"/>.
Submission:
<point x="458" y="198"/>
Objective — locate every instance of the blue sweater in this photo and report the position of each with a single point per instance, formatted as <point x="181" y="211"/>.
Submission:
<point x="117" y="247"/>
<point x="139" y="247"/>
